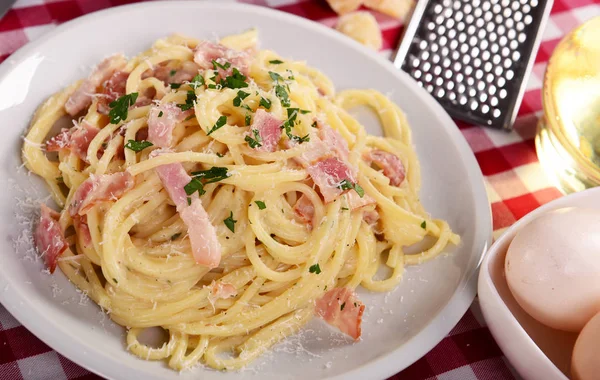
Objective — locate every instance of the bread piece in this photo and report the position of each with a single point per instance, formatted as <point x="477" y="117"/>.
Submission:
<point x="396" y="8"/>
<point x="344" y="6"/>
<point x="362" y="27"/>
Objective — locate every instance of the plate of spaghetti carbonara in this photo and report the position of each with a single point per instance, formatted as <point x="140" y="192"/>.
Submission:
<point x="217" y="197"/>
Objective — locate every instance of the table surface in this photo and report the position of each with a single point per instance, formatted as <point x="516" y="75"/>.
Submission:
<point x="514" y="181"/>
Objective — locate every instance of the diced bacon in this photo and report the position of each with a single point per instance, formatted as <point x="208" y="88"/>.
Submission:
<point x="328" y="174"/>
<point x="99" y="188"/>
<point x="333" y="140"/>
<point x="169" y="74"/>
<point x="269" y="129"/>
<point x="341" y="308"/>
<point x="49" y="238"/>
<point x="305" y="210"/>
<point x="371" y="217"/>
<point x="355" y="201"/>
<point x="114" y="88"/>
<point x="220" y="290"/>
<point x="162" y="121"/>
<point x="203" y="235"/>
<point x="390" y="164"/>
<point x="316" y="150"/>
<point x="207" y="51"/>
<point x="82" y="97"/>
<point x="80" y="223"/>
<point x="76" y="139"/>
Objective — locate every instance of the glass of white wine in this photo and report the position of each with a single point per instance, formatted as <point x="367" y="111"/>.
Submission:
<point x="568" y="136"/>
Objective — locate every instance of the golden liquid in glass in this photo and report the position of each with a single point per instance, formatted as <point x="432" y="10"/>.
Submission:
<point x="568" y="138"/>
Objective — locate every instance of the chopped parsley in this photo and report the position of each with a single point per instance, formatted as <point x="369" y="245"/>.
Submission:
<point x="275" y="62"/>
<point x="280" y="90"/>
<point x="246" y="107"/>
<point x="265" y="103"/>
<point x="175" y="85"/>
<point x="261" y="205"/>
<point x="291" y="77"/>
<point x="289" y="123"/>
<point x="315" y="269"/>
<point x="175" y="236"/>
<point x="347" y="185"/>
<point x="255" y="142"/>
<point x="160" y="114"/>
<point x="275" y="76"/>
<point x="241" y="95"/>
<point x="172" y="72"/>
<point x="189" y="101"/>
<point x="189" y="201"/>
<point x="314" y="124"/>
<point x="235" y="80"/>
<point x="137" y="146"/>
<point x="193" y="186"/>
<point x="304" y="112"/>
<point x="343" y="306"/>
<point x="345" y="209"/>
<point x="220" y="155"/>
<point x="197" y="81"/>
<point x="424" y="225"/>
<point x="217" y="65"/>
<point x="220" y="122"/>
<point x="248" y="119"/>
<point x="189" y="117"/>
<point x="214" y="174"/>
<point x="60" y="179"/>
<point x="115" y="280"/>
<point x="120" y="107"/>
<point x="230" y="222"/>
<point x="355" y="305"/>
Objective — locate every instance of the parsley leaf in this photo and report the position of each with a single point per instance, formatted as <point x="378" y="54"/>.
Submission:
<point x="175" y="236"/>
<point x="189" y="201"/>
<point x="197" y="81"/>
<point x="424" y="225"/>
<point x="304" y="112"/>
<point x="189" y="117"/>
<point x="282" y="94"/>
<point x="343" y="306"/>
<point x="235" y="80"/>
<point x="175" y="85"/>
<point x="230" y="222"/>
<point x="189" y="101"/>
<point x="276" y="62"/>
<point x="160" y="114"/>
<point x="275" y="76"/>
<point x="241" y="95"/>
<point x="255" y="142"/>
<point x="314" y="124"/>
<point x="300" y="140"/>
<point x="265" y="103"/>
<point x="347" y="185"/>
<point x="291" y="77"/>
<point x="172" y="72"/>
<point x="220" y="155"/>
<point x="261" y="205"/>
<point x="248" y="119"/>
<point x="120" y="107"/>
<point x="193" y="186"/>
<point x="220" y="122"/>
<point x="214" y="174"/>
<point x="315" y="269"/>
<point x="217" y="65"/>
<point x="137" y="146"/>
<point x="345" y="209"/>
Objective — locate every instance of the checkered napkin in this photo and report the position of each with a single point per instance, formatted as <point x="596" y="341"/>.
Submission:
<point x="514" y="181"/>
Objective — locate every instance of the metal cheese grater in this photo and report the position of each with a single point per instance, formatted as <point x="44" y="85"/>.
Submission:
<point x="474" y="56"/>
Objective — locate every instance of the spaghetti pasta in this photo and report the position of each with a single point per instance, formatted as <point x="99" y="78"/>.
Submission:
<point x="218" y="191"/>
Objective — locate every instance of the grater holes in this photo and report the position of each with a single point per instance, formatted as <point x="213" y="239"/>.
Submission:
<point x="498" y="19"/>
<point x="449" y="23"/>
<point x="533" y="3"/>
<point x="456" y="5"/>
<point x="479" y="23"/>
<point x="497" y="8"/>
<point x="511" y="34"/>
<point x="426" y="66"/>
<point x="455" y="55"/>
<point x="446" y="62"/>
<point x="478" y="12"/>
<point x="483" y="97"/>
<point x="510" y="74"/>
<point x="452" y="96"/>
<point x="440" y="93"/>
<point x="488" y="17"/>
<point x="506" y="12"/>
<point x="469" y="19"/>
<point x="521" y="38"/>
<point x="493" y="101"/>
<point x="422" y="44"/>
<point x="464" y="48"/>
<point x="462" y="100"/>
<point x="496" y="113"/>
<point x="526" y="8"/>
<point x="438" y="8"/>
<point x="453" y="44"/>
<point x="461" y="88"/>
<point x="489" y="78"/>
<point x="481" y="33"/>
<point x="431" y="25"/>
<point x="437" y="71"/>
<point x="514" y="44"/>
<point x="450" y="85"/>
<point x="477" y="62"/>
<point x="457" y="66"/>
<point x="428" y="77"/>
<point x="486" y="6"/>
<point x="485" y="55"/>
<point x="435" y="58"/>
<point x="429" y="88"/>
<point x="515" y="4"/>
<point x="434" y="48"/>
<point x="487" y="66"/>
<point x="484" y="45"/>
<point x="439" y="81"/>
<point x="505" y="52"/>
<point x="467" y="8"/>
<point x="460" y="26"/>
<point x="492" y="90"/>
<point x="439" y="19"/>
<point x="518" y="16"/>
<point x="448" y="74"/>
<point x="475" y="52"/>
<point x="501" y="29"/>
<point x="447" y="12"/>
<point x="432" y="36"/>
<point x="416" y="74"/>
<point x="470" y="82"/>
<point x="424" y="55"/>
<point x="462" y="37"/>
<point x="490" y="27"/>
<point x="528" y="19"/>
<point x="445" y="51"/>
<point x="520" y="26"/>
<point x="446" y="3"/>
<point x="474" y="105"/>
<point x="480" y="86"/>
<point x="510" y="23"/>
<point x="503" y="40"/>
<point x="468" y="69"/>
<point x="458" y="16"/>
<point x="507" y="63"/>
<point x="479" y="74"/>
<point x="473" y="41"/>
<point x="501" y="82"/>
<point x="516" y="56"/>
<point x="485" y="109"/>
<point x="441" y="29"/>
<point x="476" y="3"/>
<point x="498" y="70"/>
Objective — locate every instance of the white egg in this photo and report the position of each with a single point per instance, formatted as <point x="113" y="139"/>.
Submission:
<point x="585" y="362"/>
<point x="553" y="268"/>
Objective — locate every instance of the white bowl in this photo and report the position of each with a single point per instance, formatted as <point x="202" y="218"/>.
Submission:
<point x="535" y="350"/>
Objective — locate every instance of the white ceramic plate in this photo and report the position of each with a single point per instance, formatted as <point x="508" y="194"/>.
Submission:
<point x="398" y="328"/>
<point x="536" y="351"/>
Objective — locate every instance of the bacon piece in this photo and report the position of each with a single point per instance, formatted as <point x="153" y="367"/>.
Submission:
<point x="333" y="140"/>
<point x="269" y="130"/>
<point x="371" y="217"/>
<point x="203" y="235"/>
<point x="328" y="175"/>
<point x="304" y="209"/>
<point x="355" y="201"/>
<point x="207" y="51"/>
<point x="76" y="139"/>
<point x="99" y="188"/>
<point x="80" y="224"/>
<point x="114" y="88"/>
<point x="341" y="308"/>
<point x="162" y="121"/>
<point x="82" y="97"/>
<point x="169" y="74"/>
<point x="49" y="238"/>
<point x="390" y="164"/>
<point x="316" y="151"/>
<point x="221" y="290"/>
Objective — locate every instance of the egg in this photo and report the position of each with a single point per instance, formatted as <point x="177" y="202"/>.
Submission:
<point x="585" y="362"/>
<point x="552" y="268"/>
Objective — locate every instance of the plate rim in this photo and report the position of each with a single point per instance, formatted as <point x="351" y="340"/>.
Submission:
<point x="384" y="366"/>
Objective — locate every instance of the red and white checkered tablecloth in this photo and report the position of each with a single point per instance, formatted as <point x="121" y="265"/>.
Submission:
<point x="514" y="180"/>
